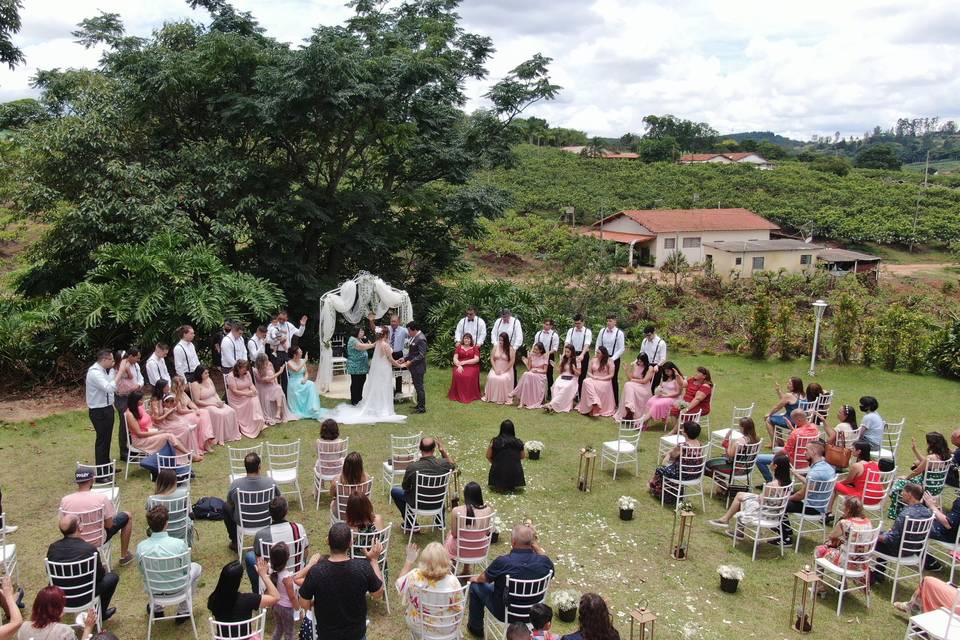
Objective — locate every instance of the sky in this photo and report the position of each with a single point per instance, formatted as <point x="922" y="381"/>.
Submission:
<point x="795" y="68"/>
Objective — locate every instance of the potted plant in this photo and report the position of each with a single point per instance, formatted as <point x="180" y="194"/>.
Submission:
<point x="534" y="447"/>
<point x="627" y="504"/>
<point x="497" y="527"/>
<point x="566" y="601"/>
<point x="730" y="577"/>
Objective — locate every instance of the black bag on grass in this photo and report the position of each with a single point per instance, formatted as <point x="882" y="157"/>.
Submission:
<point x="209" y="508"/>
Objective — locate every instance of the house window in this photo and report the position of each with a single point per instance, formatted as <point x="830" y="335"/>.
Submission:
<point x="739" y="261"/>
<point x="758" y="263"/>
<point x="669" y="243"/>
<point x="805" y="259"/>
<point x="691" y="243"/>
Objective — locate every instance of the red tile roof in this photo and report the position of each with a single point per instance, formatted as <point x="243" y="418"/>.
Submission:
<point x="622" y="156"/>
<point x="616" y="236"/>
<point x="674" y="220"/>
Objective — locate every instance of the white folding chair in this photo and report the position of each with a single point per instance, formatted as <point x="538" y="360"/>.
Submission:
<point x="338" y="359"/>
<point x="252" y="514"/>
<point x="669" y="442"/>
<point x="623" y="450"/>
<point x="181" y="465"/>
<point x="295" y="562"/>
<point x="179" y="524"/>
<point x="945" y="551"/>
<point x="338" y="506"/>
<point x="890" y="444"/>
<point x="236" y="455"/>
<point x="767" y="518"/>
<point x="8" y="555"/>
<point x="876" y="491"/>
<point x="939" y="624"/>
<point x="134" y="455"/>
<point x="809" y="408"/>
<point x="92" y="531"/>
<point x="717" y="437"/>
<point x="689" y="483"/>
<point x="168" y="584"/>
<point x="430" y="501"/>
<point x="403" y="451"/>
<point x="908" y="563"/>
<point x="817" y="498"/>
<point x="744" y="461"/>
<point x="283" y="464"/>
<point x="935" y="476"/>
<point x="472" y="542"/>
<point x="78" y="581"/>
<point x="852" y="574"/>
<point x="823" y="406"/>
<point x="439" y="612"/>
<point x="105" y="480"/>
<point x="798" y="461"/>
<point x="521" y="596"/>
<point x="363" y="542"/>
<point x="330" y="457"/>
<point x="244" y="630"/>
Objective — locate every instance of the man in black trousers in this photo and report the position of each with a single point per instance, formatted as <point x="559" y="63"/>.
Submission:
<point x="416" y="362"/>
<point x="101" y="384"/>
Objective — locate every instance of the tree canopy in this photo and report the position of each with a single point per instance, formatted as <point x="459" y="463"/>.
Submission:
<point x="880" y="156"/>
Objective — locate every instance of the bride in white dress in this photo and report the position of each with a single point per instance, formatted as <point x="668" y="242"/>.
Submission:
<point x="376" y="403"/>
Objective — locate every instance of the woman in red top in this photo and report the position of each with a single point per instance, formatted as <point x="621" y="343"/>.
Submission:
<point x="465" y="386"/>
<point x="696" y="394"/>
<point x="856" y="481"/>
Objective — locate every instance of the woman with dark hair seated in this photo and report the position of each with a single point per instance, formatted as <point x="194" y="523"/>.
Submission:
<point x="505" y="453"/>
<point x="846" y="429"/>
<point x="937" y="449"/>
<point x="477" y="515"/>
<point x="223" y="418"/>
<point x="787" y="401"/>
<point x="45" y="619"/>
<point x="227" y="604"/>
<point x="855" y="483"/>
<point x="143" y="435"/>
<point x="671" y="461"/>
<point x="747" y="502"/>
<point x="595" y="622"/>
<point x="746" y="434"/>
<point x="351" y="474"/>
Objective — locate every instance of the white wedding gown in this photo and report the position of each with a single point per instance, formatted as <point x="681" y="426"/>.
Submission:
<point x="376" y="404"/>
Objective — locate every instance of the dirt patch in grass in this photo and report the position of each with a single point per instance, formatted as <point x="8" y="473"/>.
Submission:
<point x="40" y="403"/>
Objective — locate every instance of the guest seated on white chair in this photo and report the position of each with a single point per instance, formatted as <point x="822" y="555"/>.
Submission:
<point x="161" y="545"/>
<point x="833" y="548"/>
<point x="253" y="481"/>
<point x="818" y="470"/>
<point x="352" y="473"/>
<point x="45" y="619"/>
<point x="477" y="514"/>
<point x="855" y="484"/>
<point x="85" y="499"/>
<point x="72" y="548"/>
<point x="432" y="572"/>
<point x="788" y="401"/>
<point x="671" y="462"/>
<point x="360" y="515"/>
<point x="846" y="428"/>
<point x="938" y="451"/>
<point x="532" y="388"/>
<point x="746" y="434"/>
<point x="931" y="595"/>
<point x="292" y="533"/>
<point x="746" y="502"/>
<point x="167" y="487"/>
<point x="889" y="542"/>
<point x="595" y="620"/>
<point x="227" y="604"/>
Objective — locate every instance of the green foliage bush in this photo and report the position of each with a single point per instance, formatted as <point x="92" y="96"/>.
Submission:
<point x="760" y="329"/>
<point x="945" y="351"/>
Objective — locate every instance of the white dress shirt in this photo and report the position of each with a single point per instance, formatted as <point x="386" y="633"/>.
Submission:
<point x="580" y="339"/>
<point x="232" y="349"/>
<point x="397" y="337"/>
<point x="476" y="327"/>
<point x="655" y="349"/>
<point x="512" y="329"/>
<point x="278" y="331"/>
<point x="156" y="369"/>
<point x="100" y="387"/>
<point x="613" y="341"/>
<point x="550" y="341"/>
<point x="255" y="346"/>
<point x="185" y="358"/>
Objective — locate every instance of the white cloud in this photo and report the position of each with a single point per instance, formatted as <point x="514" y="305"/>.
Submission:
<point x="795" y="68"/>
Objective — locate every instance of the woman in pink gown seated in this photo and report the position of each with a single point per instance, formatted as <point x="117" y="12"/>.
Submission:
<point x="532" y="388"/>
<point x="272" y="401"/>
<point x="189" y="411"/>
<point x="465" y="385"/>
<point x="223" y="419"/>
<point x="500" y="379"/>
<point x="931" y="595"/>
<point x="636" y="390"/>
<point x="660" y="404"/>
<point x="163" y="412"/>
<point x="242" y="396"/>
<point x="143" y="435"/>
<point x="565" y="386"/>
<point x="596" y="397"/>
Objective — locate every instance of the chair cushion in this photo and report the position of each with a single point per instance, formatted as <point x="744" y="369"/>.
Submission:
<point x="673" y="440"/>
<point x="619" y="445"/>
<point x="907" y="560"/>
<point x="284" y="475"/>
<point x="110" y="492"/>
<point x="8" y="552"/>
<point x="832" y="568"/>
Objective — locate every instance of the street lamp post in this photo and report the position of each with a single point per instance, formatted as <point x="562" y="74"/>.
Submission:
<point x="818" y="308"/>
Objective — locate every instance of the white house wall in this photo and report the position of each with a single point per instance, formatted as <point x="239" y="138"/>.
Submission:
<point x="694" y="255"/>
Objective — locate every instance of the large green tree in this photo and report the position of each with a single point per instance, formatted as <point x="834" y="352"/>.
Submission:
<point x="299" y="165"/>
<point x="878" y="156"/>
<point x="689" y="135"/>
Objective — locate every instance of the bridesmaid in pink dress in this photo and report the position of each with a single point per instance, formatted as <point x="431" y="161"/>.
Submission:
<point x="565" y="386"/>
<point x="223" y="419"/>
<point x="596" y="397"/>
<point x="636" y="390"/>
<point x="500" y="379"/>
<point x="163" y="412"/>
<point x="190" y="412"/>
<point x="659" y="406"/>
<point x="242" y="396"/>
<point x="272" y="401"/>
<point x="143" y="435"/>
<point x="532" y="388"/>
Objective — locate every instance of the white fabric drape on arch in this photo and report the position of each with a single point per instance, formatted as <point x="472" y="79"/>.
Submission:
<point x="354" y="300"/>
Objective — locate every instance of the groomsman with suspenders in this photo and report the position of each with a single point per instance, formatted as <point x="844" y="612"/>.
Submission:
<point x="185" y="360"/>
<point x="509" y="325"/>
<point x="613" y="339"/>
<point x="580" y="338"/>
<point x="232" y="348"/>
<point x="551" y="344"/>
<point x="157" y="364"/>
<point x="656" y="349"/>
<point x="472" y="324"/>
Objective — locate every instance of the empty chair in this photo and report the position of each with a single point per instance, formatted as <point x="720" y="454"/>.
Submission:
<point x="78" y="581"/>
<point x="8" y="554"/>
<point x="763" y="524"/>
<point x="852" y="572"/>
<point x="403" y="451"/>
<point x="623" y="450"/>
<point x="283" y="464"/>
<point x="824" y="403"/>
<point x="718" y="436"/>
<point x="339" y="358"/>
<point x="520" y="596"/>
<point x="429" y="501"/>
<point x="330" y="457"/>
<point x="472" y="544"/>
<point x="908" y="558"/>
<point x="168" y="583"/>
<point x="338" y="507"/>
<point x="237" y="454"/>
<point x="252" y="514"/>
<point x="244" y="630"/>
<point x="363" y="542"/>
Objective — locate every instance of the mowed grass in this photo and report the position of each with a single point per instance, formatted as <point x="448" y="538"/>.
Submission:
<point x="627" y="562"/>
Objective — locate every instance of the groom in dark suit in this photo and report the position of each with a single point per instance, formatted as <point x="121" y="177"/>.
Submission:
<point x="416" y="362"/>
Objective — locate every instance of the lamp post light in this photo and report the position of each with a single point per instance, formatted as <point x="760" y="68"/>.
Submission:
<point x="818" y="308"/>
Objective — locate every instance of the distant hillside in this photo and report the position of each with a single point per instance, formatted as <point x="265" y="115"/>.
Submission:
<point x="769" y="136"/>
<point x="864" y="206"/>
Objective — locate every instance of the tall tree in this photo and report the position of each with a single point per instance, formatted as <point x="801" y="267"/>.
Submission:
<point x="690" y="136"/>
<point x="10" y="24"/>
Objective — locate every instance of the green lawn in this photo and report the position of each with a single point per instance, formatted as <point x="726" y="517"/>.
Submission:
<point x="627" y="562"/>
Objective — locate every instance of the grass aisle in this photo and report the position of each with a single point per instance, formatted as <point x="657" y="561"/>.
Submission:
<point x="627" y="562"/>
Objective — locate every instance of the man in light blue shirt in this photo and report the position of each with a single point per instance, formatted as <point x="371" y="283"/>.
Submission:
<point x="816" y="501"/>
<point x="872" y="422"/>
<point x="101" y="385"/>
<point x="161" y="545"/>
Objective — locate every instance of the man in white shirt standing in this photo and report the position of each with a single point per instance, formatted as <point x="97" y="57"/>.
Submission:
<point x="551" y="344"/>
<point x="100" y="387"/>
<point x="474" y="325"/>
<point x="257" y="344"/>
<point x="157" y="364"/>
<point x="185" y="360"/>
<point x="656" y="349"/>
<point x="280" y="336"/>
<point x="613" y="339"/>
<point x="509" y="325"/>
<point x="232" y="348"/>
<point x="580" y="338"/>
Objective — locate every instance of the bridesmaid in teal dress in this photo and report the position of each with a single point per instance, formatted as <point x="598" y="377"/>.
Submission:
<point x="302" y="398"/>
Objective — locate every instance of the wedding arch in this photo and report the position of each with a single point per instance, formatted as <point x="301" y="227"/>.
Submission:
<point x="354" y="300"/>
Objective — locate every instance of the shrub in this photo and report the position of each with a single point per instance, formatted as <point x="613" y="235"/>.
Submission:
<point x="944" y="354"/>
<point x="759" y="331"/>
<point x="845" y="321"/>
<point x="784" y="333"/>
